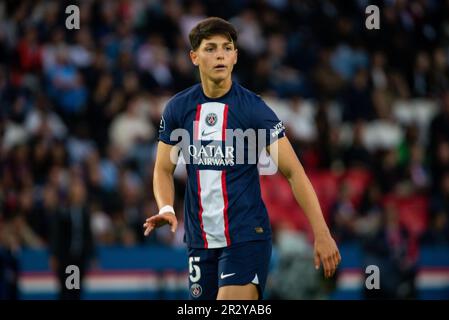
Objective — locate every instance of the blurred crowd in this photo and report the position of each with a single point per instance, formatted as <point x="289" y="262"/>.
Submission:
<point x="367" y="112"/>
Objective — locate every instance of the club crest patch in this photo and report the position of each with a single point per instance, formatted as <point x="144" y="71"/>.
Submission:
<point x="211" y="119"/>
<point x="196" y="290"/>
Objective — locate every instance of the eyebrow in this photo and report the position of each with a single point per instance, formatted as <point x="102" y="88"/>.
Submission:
<point x="215" y="44"/>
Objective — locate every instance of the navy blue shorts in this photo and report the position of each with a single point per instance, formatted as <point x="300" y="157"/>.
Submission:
<point x="238" y="264"/>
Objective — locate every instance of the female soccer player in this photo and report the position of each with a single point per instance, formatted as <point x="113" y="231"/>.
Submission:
<point x="213" y="123"/>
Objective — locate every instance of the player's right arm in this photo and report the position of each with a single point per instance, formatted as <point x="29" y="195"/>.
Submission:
<point x="163" y="187"/>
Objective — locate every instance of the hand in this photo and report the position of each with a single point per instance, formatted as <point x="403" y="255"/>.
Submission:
<point x="326" y="251"/>
<point x="159" y="220"/>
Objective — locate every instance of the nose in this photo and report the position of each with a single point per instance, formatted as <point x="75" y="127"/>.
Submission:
<point x="220" y="54"/>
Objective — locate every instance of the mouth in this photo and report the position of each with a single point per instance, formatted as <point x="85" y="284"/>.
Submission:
<point x="220" y="67"/>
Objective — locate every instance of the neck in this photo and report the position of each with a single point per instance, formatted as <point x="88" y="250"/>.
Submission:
<point x="216" y="89"/>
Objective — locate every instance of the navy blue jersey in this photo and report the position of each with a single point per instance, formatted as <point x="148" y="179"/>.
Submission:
<point x="223" y="203"/>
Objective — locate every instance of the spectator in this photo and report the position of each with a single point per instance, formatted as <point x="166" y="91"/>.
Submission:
<point x="356" y="99"/>
<point x="42" y="122"/>
<point x="9" y="266"/>
<point x="129" y="128"/>
<point x="343" y="216"/>
<point x="71" y="238"/>
<point x="438" y="232"/>
<point x="295" y="277"/>
<point x="389" y="248"/>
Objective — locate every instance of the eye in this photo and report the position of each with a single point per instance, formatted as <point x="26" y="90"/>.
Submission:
<point x="228" y="48"/>
<point x="209" y="49"/>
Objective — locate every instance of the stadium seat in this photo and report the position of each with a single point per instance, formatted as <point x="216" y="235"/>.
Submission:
<point x="358" y="180"/>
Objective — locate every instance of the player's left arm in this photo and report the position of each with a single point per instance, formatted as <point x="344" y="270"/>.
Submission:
<point x="325" y="248"/>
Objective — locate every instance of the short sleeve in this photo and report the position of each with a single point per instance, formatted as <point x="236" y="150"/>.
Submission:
<point x="266" y="119"/>
<point x="167" y="124"/>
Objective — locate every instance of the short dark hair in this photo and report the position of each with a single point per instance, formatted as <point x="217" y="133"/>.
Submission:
<point x="210" y="27"/>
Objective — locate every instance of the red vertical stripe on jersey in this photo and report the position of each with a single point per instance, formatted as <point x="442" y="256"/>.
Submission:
<point x="223" y="180"/>
<point x="225" y="209"/>
<point x="225" y="123"/>
<point x="200" y="211"/>
<point x="196" y="128"/>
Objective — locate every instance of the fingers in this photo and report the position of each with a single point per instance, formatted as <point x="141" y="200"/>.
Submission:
<point x="158" y="221"/>
<point x="317" y="261"/>
<point x="155" y="221"/>
<point x="327" y="264"/>
<point x="326" y="250"/>
<point x="148" y="230"/>
<point x="149" y="225"/>
<point x="331" y="263"/>
<point x="174" y="225"/>
<point x="337" y="259"/>
<point x="332" y="266"/>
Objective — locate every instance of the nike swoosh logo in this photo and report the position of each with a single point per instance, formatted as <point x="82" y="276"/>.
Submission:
<point x="208" y="133"/>
<point x="223" y="276"/>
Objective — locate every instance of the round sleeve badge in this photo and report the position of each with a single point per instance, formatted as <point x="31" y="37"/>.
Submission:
<point x="196" y="290"/>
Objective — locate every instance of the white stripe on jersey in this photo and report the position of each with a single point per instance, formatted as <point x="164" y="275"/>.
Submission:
<point x="213" y="206"/>
<point x="211" y="122"/>
<point x="215" y="131"/>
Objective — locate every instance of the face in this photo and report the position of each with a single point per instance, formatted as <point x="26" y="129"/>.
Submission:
<point x="215" y="57"/>
<point x="77" y="192"/>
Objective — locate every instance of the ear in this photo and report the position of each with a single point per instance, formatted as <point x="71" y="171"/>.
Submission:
<point x="236" y="56"/>
<point x="194" y="57"/>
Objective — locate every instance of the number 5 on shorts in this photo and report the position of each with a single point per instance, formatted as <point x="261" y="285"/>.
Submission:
<point x="193" y="267"/>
